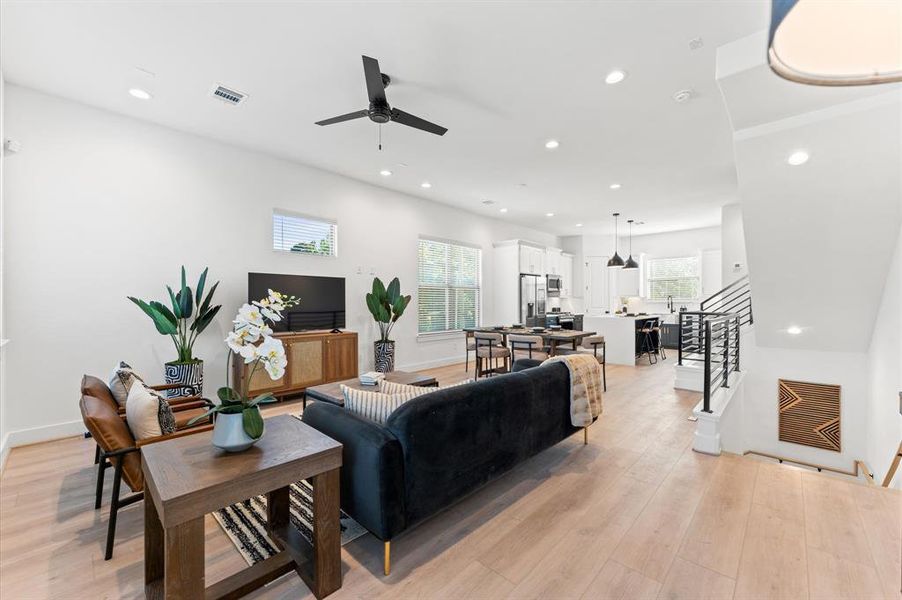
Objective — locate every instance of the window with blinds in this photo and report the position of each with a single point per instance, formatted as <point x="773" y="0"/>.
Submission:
<point x="448" y="286"/>
<point x="677" y="277"/>
<point x="305" y="235"/>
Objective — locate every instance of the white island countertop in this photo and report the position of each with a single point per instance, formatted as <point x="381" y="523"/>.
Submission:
<point x="619" y="333"/>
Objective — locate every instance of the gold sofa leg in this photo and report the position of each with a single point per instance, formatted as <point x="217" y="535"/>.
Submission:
<point x="585" y="436"/>
<point x="387" y="565"/>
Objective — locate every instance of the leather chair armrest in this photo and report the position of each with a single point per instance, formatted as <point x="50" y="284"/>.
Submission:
<point x="171" y="386"/>
<point x="189" y="405"/>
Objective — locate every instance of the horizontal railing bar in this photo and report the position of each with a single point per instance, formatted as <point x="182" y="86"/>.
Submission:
<point x="741" y="281"/>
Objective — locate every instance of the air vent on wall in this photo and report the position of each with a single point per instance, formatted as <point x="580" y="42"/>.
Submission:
<point x="228" y="96"/>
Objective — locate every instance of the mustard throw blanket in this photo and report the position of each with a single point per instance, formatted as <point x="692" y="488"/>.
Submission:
<point x="585" y="387"/>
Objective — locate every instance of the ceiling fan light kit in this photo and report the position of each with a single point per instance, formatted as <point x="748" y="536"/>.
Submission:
<point x="379" y="110"/>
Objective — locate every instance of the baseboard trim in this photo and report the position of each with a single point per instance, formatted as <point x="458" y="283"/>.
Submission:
<point x="36" y="435"/>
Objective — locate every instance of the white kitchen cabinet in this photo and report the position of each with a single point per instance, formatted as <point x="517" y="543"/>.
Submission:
<point x="553" y="261"/>
<point x="566" y="272"/>
<point x="532" y="260"/>
<point x="628" y="282"/>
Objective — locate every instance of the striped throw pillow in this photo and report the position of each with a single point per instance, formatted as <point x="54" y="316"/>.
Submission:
<point x="375" y="406"/>
<point x="391" y="387"/>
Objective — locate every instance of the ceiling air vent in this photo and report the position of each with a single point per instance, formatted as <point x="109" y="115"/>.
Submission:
<point x="228" y="96"/>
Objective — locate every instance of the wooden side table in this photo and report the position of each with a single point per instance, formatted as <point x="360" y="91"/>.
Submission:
<point x="186" y="478"/>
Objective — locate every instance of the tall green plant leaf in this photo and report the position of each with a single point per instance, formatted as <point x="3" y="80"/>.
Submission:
<point x="164" y="310"/>
<point x="206" y="303"/>
<point x="399" y="306"/>
<point x="227" y="395"/>
<point x="163" y="325"/>
<point x="186" y="302"/>
<point x="378" y="288"/>
<point x="205" y="319"/>
<point x="200" y="286"/>
<point x="266" y="398"/>
<point x="176" y="308"/>
<point x="253" y="422"/>
<point x="394" y="290"/>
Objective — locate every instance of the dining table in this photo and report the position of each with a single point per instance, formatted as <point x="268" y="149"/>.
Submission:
<point x="552" y="337"/>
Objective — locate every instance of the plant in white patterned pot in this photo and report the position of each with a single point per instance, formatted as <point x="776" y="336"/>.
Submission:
<point x="190" y="314"/>
<point x="238" y="421"/>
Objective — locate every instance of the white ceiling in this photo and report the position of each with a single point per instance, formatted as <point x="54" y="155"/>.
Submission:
<point x="502" y="76"/>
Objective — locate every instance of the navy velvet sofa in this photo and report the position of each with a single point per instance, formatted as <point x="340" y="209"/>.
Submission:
<point x="439" y="447"/>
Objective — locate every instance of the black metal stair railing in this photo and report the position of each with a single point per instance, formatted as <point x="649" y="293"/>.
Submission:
<point x="735" y="298"/>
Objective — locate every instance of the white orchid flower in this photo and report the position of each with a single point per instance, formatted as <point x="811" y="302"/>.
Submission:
<point x="236" y="340"/>
<point x="248" y="353"/>
<point x="249" y="314"/>
<point x="272" y="315"/>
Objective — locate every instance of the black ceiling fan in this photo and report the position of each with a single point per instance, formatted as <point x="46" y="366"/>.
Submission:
<point x="379" y="111"/>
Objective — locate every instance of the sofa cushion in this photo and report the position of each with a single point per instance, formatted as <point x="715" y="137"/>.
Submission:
<point x="375" y="405"/>
<point x="147" y="412"/>
<point x="393" y="387"/>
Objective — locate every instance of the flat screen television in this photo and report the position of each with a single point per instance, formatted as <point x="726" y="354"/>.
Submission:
<point x="322" y="299"/>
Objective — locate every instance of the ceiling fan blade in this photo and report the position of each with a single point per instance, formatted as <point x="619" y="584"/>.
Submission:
<point x="375" y="89"/>
<point x="347" y="117"/>
<point x="399" y="116"/>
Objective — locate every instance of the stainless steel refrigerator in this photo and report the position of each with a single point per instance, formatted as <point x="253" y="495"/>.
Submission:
<point x="532" y="300"/>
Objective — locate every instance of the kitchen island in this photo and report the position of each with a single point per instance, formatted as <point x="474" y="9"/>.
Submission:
<point x="619" y="335"/>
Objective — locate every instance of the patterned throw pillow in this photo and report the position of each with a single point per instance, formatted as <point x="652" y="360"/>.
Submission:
<point x="375" y="406"/>
<point x="121" y="382"/>
<point x="147" y="412"/>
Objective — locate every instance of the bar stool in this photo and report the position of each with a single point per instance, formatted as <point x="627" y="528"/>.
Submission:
<point x="656" y="339"/>
<point x="646" y="345"/>
<point x="490" y="347"/>
<point x="528" y="343"/>
<point x="590" y="345"/>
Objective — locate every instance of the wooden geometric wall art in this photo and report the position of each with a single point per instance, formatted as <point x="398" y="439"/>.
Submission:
<point x="809" y="414"/>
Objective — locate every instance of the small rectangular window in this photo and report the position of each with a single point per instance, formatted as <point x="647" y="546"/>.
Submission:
<point x="677" y="277"/>
<point x="305" y="235"/>
<point x="449" y="279"/>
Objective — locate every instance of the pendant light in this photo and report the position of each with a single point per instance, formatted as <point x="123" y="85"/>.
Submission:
<point x="615" y="262"/>
<point x="835" y="43"/>
<point x="630" y="263"/>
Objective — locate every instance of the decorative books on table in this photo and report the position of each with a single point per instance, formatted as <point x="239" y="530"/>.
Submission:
<point x="371" y="378"/>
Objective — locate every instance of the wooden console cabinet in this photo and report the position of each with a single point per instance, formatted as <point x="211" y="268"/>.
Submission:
<point x="314" y="358"/>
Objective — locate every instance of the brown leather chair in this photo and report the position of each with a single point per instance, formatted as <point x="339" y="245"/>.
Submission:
<point x="117" y="447"/>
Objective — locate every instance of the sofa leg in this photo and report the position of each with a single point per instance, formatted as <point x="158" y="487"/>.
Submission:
<point x="585" y="436"/>
<point x="386" y="566"/>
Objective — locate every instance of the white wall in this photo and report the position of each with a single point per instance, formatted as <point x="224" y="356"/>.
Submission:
<point x="885" y="374"/>
<point x="732" y="244"/>
<point x="105" y="206"/>
<point x="763" y="366"/>
<point x="4" y="429"/>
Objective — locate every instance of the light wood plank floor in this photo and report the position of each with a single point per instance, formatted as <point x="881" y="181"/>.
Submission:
<point x="635" y="514"/>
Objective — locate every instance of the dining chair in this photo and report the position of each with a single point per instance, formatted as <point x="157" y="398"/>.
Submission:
<point x="469" y="346"/>
<point x="529" y="344"/>
<point x="490" y="348"/>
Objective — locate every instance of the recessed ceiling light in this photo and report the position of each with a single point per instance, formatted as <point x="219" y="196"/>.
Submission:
<point x="488" y="202"/>
<point x="549" y="214"/>
<point x="794" y="330"/>
<point x="615" y="76"/>
<point x="140" y="94"/>
<point x="552" y="144"/>
<point x="799" y="157"/>
<point x="503" y="210"/>
<point x="579" y="224"/>
<point x="614" y="186"/>
<point x="385" y="172"/>
<point x="426" y="185"/>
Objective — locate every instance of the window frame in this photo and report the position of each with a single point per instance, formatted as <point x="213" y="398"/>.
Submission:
<point x="647" y="280"/>
<point x="281" y="212"/>
<point x="448" y="333"/>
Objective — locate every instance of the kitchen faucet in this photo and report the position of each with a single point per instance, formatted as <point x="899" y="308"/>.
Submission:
<point x="670" y="304"/>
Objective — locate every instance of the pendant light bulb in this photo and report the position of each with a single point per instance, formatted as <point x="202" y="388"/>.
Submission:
<point x="630" y="262"/>
<point x="615" y="261"/>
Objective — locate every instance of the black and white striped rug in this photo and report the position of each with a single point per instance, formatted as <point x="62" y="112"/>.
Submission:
<point x="245" y="523"/>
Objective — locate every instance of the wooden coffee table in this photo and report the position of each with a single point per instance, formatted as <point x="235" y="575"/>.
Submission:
<point x="186" y="478"/>
<point x="331" y="392"/>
